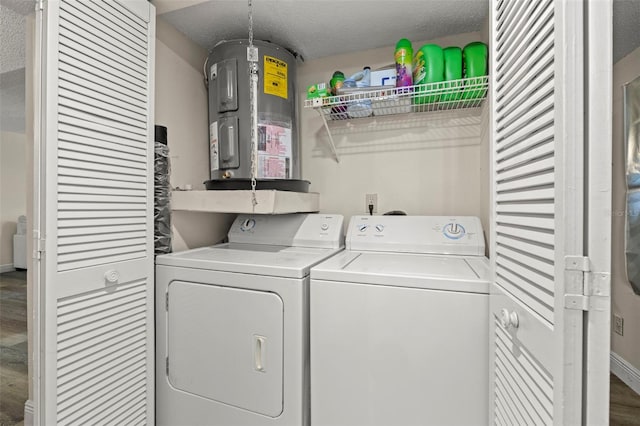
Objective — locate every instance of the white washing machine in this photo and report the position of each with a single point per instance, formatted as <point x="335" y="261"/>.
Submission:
<point x="399" y="325"/>
<point x="232" y="323"/>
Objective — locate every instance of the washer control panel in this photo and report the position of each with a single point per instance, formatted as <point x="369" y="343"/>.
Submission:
<point x="296" y="230"/>
<point x="417" y="234"/>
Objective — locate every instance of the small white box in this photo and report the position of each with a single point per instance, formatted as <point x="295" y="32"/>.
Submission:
<point x="20" y="251"/>
<point x="383" y="77"/>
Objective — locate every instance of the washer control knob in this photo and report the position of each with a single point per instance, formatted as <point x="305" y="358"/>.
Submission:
<point x="363" y="227"/>
<point x="379" y="227"/>
<point x="324" y="226"/>
<point x="453" y="231"/>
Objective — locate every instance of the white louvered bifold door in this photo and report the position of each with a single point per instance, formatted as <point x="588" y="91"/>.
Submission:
<point x="540" y="231"/>
<point x="95" y="289"/>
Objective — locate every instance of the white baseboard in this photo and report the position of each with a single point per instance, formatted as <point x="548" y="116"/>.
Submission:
<point x="625" y="372"/>
<point x="28" y="413"/>
<point x="7" y="268"/>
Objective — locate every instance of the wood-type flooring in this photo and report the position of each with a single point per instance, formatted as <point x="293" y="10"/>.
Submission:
<point x="624" y="406"/>
<point x="14" y="389"/>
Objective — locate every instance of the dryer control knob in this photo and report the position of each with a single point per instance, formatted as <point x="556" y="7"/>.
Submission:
<point x="324" y="226"/>
<point x="453" y="231"/>
<point x="248" y="225"/>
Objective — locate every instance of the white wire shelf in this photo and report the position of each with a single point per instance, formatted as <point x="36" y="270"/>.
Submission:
<point x="384" y="100"/>
<point x="350" y="104"/>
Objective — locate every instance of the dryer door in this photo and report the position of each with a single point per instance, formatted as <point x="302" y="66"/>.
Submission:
<point x="225" y="344"/>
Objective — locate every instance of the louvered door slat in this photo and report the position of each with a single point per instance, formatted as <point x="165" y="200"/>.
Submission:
<point x="105" y="188"/>
<point x="78" y="68"/>
<point x="93" y="118"/>
<point x="82" y="74"/>
<point x="132" y="28"/>
<point x="77" y="46"/>
<point x="101" y="257"/>
<point x="114" y="131"/>
<point x="537" y="208"/>
<point x="539" y="179"/>
<point x="83" y="162"/>
<point x="108" y="23"/>
<point x="109" y="95"/>
<point x="102" y="36"/>
<point x="122" y="219"/>
<point x="82" y="141"/>
<point x="79" y="153"/>
<point x="530" y="22"/>
<point x="82" y="383"/>
<point x="525" y="108"/>
<point x="536" y="165"/>
<point x="509" y="31"/>
<point x="522" y="417"/>
<point x="84" y="219"/>
<point x="75" y="54"/>
<point x="544" y="265"/>
<point x="102" y="175"/>
<point x="518" y="135"/>
<point x="533" y="247"/>
<point x="536" y="222"/>
<point x="513" y="153"/>
<point x="537" y="151"/>
<point x="128" y="409"/>
<point x="528" y="232"/>
<point x="505" y="13"/>
<point x="536" y="61"/>
<point x="518" y="196"/>
<point x="508" y="365"/>
<point x="527" y="379"/>
<point x="136" y="26"/>
<point x="77" y="100"/>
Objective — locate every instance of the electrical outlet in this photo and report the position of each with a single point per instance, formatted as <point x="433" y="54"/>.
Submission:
<point x="371" y="200"/>
<point x="618" y="324"/>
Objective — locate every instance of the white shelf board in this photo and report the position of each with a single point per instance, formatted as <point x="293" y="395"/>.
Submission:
<point x="269" y="201"/>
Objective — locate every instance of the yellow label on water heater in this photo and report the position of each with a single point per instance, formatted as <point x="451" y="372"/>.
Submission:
<point x="275" y="77"/>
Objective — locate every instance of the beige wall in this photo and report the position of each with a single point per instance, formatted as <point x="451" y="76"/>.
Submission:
<point x="429" y="164"/>
<point x="181" y="106"/>
<point x="623" y="301"/>
<point x="13" y="198"/>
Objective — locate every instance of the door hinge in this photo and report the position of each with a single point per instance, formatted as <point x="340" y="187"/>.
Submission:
<point x="39" y="5"/>
<point x="594" y="284"/>
<point x="166" y="301"/>
<point x="38" y="246"/>
<point x="167" y="365"/>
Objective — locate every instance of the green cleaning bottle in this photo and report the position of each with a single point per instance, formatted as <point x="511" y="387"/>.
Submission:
<point x="452" y="71"/>
<point x="474" y="57"/>
<point x="428" y="67"/>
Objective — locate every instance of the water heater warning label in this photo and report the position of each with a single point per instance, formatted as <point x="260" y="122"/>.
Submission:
<point x="274" y="151"/>
<point x="275" y="77"/>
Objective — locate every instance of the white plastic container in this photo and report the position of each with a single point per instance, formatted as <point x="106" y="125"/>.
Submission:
<point x="359" y="108"/>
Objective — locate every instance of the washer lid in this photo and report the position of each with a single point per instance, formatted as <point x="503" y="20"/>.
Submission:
<point x="449" y="273"/>
<point x="259" y="259"/>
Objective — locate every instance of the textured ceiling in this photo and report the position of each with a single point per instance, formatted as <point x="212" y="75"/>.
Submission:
<point x="319" y="28"/>
<point x="313" y="28"/>
<point x="12" y="34"/>
<point x="626" y="27"/>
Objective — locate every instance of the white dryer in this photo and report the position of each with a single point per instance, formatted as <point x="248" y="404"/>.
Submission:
<point x="399" y="325"/>
<point x="232" y="323"/>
